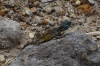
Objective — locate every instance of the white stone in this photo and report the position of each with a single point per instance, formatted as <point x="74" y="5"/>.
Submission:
<point x="78" y="2"/>
<point x="28" y="11"/>
<point x="9" y="60"/>
<point x="2" y="59"/>
<point x="48" y="9"/>
<point x="64" y="17"/>
<point x="73" y="15"/>
<point x="50" y="22"/>
<point x="31" y="34"/>
<point x="98" y="37"/>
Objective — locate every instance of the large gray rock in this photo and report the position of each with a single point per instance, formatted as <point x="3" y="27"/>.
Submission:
<point x="10" y="33"/>
<point x="75" y="49"/>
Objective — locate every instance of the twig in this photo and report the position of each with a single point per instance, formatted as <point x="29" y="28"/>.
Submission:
<point x="97" y="33"/>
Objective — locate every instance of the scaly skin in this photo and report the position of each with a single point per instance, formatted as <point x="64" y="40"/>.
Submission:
<point x="50" y="34"/>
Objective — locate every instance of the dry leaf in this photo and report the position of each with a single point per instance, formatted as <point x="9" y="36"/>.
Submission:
<point x="84" y="2"/>
<point x="85" y="8"/>
<point x="44" y="22"/>
<point x="2" y="12"/>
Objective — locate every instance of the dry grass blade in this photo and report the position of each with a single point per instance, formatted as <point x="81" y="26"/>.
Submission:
<point x="97" y="33"/>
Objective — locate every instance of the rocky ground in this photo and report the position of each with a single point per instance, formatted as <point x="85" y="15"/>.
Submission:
<point x="38" y="20"/>
<point x="74" y="49"/>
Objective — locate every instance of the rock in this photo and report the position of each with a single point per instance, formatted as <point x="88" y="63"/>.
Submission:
<point x="30" y="5"/>
<point x="8" y="61"/>
<point x="98" y="24"/>
<point x="66" y="18"/>
<point x="73" y="15"/>
<point x="48" y="9"/>
<point x="31" y="34"/>
<point x="57" y="9"/>
<point x="33" y="10"/>
<point x="45" y="0"/>
<point x="51" y="22"/>
<point x="71" y="50"/>
<point x="9" y="33"/>
<point x="91" y="1"/>
<point x="2" y="59"/>
<point x="78" y="2"/>
<point x="98" y="37"/>
<point x="28" y="11"/>
<point x="36" y="3"/>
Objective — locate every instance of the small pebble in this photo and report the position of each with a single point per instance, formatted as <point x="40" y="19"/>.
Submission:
<point x="31" y="35"/>
<point x="30" y="5"/>
<point x="36" y="3"/>
<point x="28" y="12"/>
<point x="51" y="22"/>
<point x="48" y="9"/>
<point x="9" y="60"/>
<point x="98" y="24"/>
<point x="57" y="9"/>
<point x="33" y="10"/>
<point x="91" y="1"/>
<point x="65" y="17"/>
<point x="78" y="2"/>
<point x="2" y="59"/>
<point x="73" y="15"/>
<point x="98" y="37"/>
